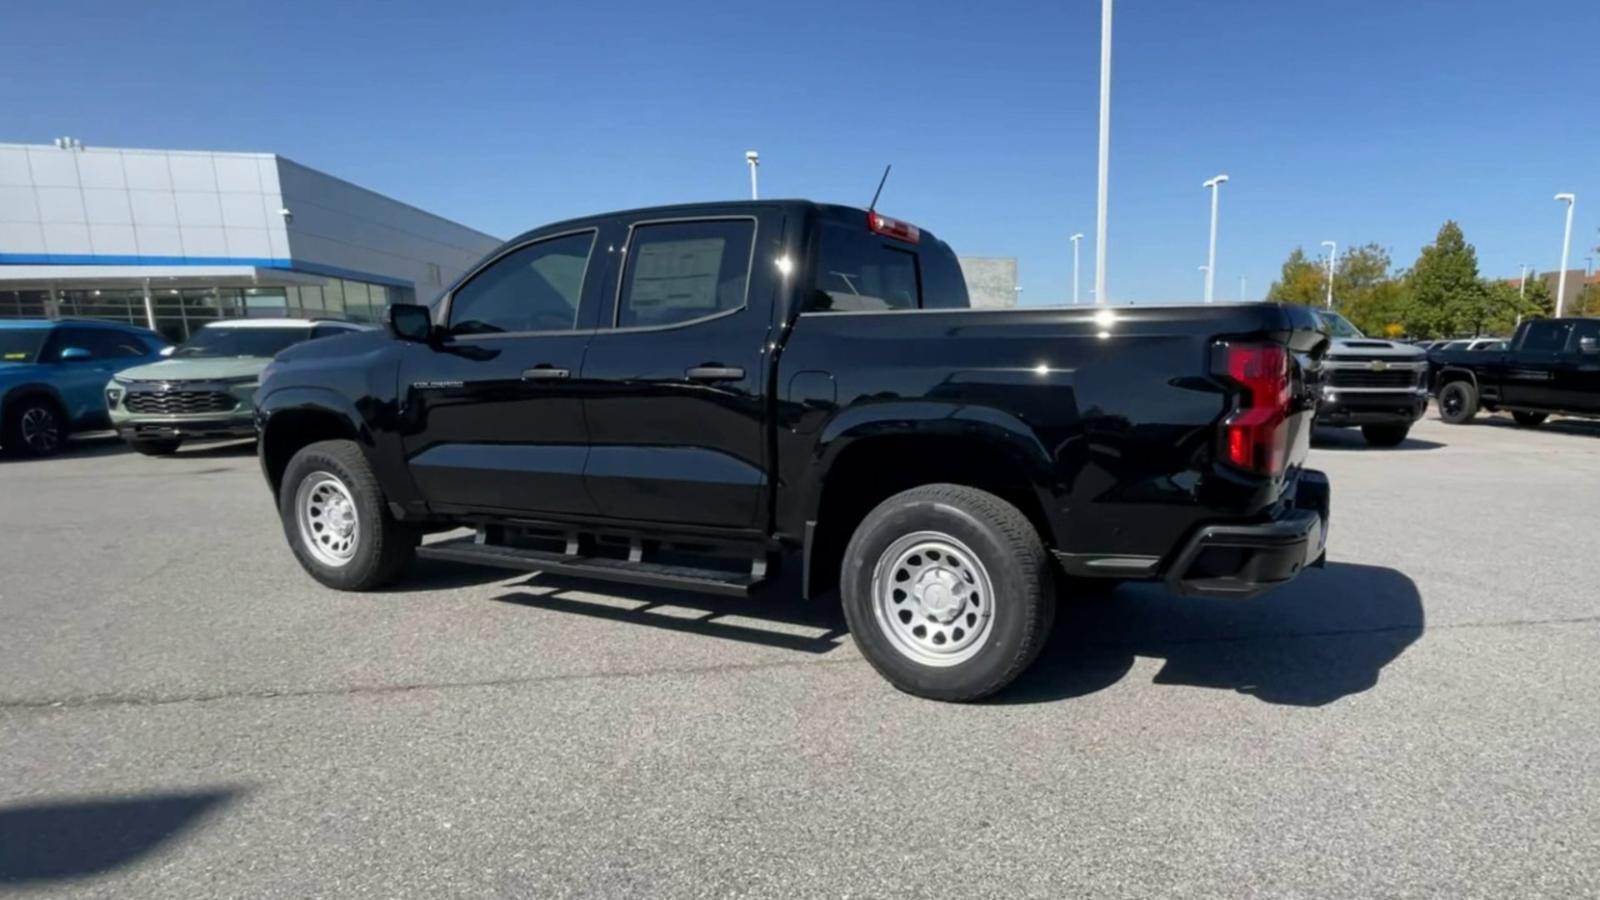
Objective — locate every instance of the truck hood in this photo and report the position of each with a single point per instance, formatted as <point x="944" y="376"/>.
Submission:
<point x="197" y="369"/>
<point x="1373" y="348"/>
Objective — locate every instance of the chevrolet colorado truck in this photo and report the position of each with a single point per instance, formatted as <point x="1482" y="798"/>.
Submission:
<point x="1548" y="366"/>
<point x="1380" y="386"/>
<point x="689" y="396"/>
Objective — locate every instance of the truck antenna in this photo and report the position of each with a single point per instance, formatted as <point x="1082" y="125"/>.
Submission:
<point x="874" y="204"/>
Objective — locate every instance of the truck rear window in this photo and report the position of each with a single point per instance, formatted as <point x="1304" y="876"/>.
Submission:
<point x="860" y="271"/>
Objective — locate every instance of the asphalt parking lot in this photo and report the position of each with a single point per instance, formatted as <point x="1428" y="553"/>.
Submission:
<point x="183" y="713"/>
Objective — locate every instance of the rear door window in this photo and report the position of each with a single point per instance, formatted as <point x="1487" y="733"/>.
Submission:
<point x="859" y="271"/>
<point x="1545" y="337"/>
<point x="678" y="272"/>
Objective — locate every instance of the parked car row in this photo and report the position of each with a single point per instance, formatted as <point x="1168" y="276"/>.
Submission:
<point x="62" y="377"/>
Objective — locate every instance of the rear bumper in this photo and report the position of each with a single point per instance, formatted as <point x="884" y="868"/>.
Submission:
<point x="1244" y="561"/>
<point x="1377" y="408"/>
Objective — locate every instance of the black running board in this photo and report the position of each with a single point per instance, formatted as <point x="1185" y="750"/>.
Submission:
<point x="684" y="578"/>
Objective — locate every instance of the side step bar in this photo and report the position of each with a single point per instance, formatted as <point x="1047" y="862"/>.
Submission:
<point x="685" y="578"/>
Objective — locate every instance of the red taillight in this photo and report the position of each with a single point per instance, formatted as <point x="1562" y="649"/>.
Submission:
<point x="1254" y="436"/>
<point x="879" y="223"/>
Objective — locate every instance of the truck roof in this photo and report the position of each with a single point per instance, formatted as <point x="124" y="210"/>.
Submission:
<point x="720" y="207"/>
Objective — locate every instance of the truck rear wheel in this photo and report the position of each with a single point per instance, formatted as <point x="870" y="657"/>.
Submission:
<point x="337" y="521"/>
<point x="1385" y="435"/>
<point x="1530" y="419"/>
<point x="1458" y="402"/>
<point x="947" y="591"/>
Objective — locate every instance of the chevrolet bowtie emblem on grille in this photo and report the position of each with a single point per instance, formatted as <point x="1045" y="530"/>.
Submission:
<point x="1378" y="365"/>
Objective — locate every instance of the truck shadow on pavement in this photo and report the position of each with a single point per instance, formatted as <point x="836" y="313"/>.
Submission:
<point x="68" y="839"/>
<point x="1574" y="427"/>
<point x="1320" y="638"/>
<point x="1351" y="439"/>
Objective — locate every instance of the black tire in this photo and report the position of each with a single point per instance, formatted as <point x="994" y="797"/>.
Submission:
<point x="1529" y="419"/>
<point x="1385" y="435"/>
<point x="33" y="427"/>
<point x="156" y="447"/>
<point x="1458" y="402"/>
<point x="382" y="546"/>
<point x="1010" y="556"/>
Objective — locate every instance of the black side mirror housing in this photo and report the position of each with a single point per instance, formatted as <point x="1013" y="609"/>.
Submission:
<point x="411" y="322"/>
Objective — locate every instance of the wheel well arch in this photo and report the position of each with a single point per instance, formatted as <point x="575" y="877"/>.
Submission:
<point x="287" y="431"/>
<point x="1454" y="374"/>
<point x="23" y="392"/>
<point x="874" y="469"/>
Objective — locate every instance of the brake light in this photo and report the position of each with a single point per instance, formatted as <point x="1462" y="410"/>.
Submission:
<point x="1253" y="436"/>
<point x="879" y="223"/>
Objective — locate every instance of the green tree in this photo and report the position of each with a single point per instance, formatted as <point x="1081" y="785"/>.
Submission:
<point x="1302" y="280"/>
<point x="1447" y="296"/>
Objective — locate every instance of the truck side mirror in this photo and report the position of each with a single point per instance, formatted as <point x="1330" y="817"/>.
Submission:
<point x="1588" y="345"/>
<point x="411" y="322"/>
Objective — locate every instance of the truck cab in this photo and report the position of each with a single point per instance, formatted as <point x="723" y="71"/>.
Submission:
<point x="1549" y="367"/>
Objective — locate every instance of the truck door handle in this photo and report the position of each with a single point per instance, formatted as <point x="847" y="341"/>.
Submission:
<point x="715" y="373"/>
<point x="544" y="373"/>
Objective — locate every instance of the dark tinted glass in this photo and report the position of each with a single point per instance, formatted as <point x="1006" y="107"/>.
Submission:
<point x="21" y="345"/>
<point x="536" y="288"/>
<point x="215" y="341"/>
<point x="98" y="343"/>
<point x="681" y="271"/>
<point x="943" y="284"/>
<point x="1546" y="336"/>
<point x="1588" y="328"/>
<point x="858" y="270"/>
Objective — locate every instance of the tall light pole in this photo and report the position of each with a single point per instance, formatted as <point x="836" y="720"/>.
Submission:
<point x="1242" y="292"/>
<point x="1211" y="255"/>
<point x="1522" y="283"/>
<point x="753" y="159"/>
<point x="1076" y="239"/>
<point x="1333" y="251"/>
<point x="1206" y="271"/>
<point x="1566" y="242"/>
<point x="1105" y="153"/>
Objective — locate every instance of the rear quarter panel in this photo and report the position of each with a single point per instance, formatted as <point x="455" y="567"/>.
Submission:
<point x="1110" y="413"/>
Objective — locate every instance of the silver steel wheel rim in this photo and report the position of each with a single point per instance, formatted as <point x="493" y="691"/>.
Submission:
<point x="933" y="599"/>
<point x="329" y="527"/>
<point x="39" y="429"/>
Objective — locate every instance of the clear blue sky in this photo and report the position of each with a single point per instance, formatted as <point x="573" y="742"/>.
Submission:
<point x="1364" y="120"/>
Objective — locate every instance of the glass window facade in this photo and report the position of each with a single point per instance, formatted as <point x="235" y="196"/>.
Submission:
<point x="180" y="310"/>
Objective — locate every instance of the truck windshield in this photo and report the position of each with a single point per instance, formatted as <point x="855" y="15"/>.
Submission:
<point x="225" y="341"/>
<point x="1338" y="326"/>
<point x="21" y="345"/>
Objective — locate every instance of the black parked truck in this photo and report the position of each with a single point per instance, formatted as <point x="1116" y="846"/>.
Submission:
<point x="1548" y="366"/>
<point x="689" y="396"/>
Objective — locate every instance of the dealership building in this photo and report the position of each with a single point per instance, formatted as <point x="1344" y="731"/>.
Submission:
<point x="173" y="239"/>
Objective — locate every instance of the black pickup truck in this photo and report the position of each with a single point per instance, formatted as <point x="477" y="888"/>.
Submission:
<point x="1549" y="366"/>
<point x="690" y="396"/>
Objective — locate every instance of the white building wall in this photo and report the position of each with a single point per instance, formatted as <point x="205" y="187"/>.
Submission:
<point x="337" y="224"/>
<point x="75" y="205"/>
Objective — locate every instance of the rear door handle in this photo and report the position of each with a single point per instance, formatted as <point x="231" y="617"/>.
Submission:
<point x="715" y="373"/>
<point x="545" y="373"/>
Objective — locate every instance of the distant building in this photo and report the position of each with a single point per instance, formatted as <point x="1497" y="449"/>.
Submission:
<point x="172" y="239"/>
<point x="991" y="280"/>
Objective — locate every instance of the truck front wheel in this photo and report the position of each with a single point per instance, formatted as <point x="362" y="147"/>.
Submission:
<point x="1458" y="402"/>
<point x="337" y="522"/>
<point x="1385" y="435"/>
<point x="947" y="591"/>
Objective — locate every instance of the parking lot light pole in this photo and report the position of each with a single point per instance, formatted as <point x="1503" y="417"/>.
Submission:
<point x="1241" y="289"/>
<point x="1522" y="283"/>
<point x="753" y="159"/>
<point x="1211" y="254"/>
<point x="1206" y="271"/>
<point x="1105" y="153"/>
<point x="1076" y="239"/>
<point x="1333" y="251"/>
<point x="1566" y="244"/>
